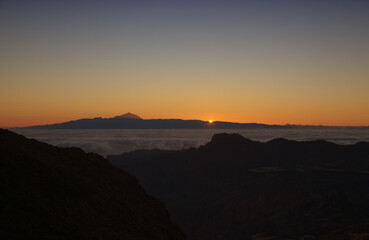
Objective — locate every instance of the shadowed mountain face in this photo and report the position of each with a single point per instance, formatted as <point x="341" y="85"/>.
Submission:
<point x="235" y="188"/>
<point x="48" y="192"/>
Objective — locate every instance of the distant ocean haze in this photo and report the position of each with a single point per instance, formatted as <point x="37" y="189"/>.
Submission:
<point x="117" y="141"/>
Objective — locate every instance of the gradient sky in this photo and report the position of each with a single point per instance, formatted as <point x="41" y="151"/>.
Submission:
<point x="275" y="62"/>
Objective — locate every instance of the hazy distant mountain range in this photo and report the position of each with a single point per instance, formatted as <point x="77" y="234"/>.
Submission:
<point x="132" y="121"/>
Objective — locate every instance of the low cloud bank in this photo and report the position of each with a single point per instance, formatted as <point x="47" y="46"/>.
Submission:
<point x="117" y="141"/>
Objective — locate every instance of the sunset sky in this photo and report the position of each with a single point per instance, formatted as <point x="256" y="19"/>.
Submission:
<point x="274" y="62"/>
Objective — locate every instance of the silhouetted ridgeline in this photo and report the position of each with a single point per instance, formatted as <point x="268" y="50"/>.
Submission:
<point x="124" y="123"/>
<point x="48" y="192"/>
<point x="132" y="121"/>
<point x="235" y="188"/>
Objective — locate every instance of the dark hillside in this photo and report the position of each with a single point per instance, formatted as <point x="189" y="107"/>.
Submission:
<point x="234" y="188"/>
<point x="48" y="192"/>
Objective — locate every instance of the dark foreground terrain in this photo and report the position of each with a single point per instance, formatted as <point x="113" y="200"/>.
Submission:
<point x="48" y="192"/>
<point x="233" y="188"/>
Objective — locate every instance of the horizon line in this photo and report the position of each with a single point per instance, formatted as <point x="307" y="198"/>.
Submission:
<point x="214" y="121"/>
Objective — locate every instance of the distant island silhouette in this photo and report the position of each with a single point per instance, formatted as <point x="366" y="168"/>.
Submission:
<point x="128" y="115"/>
<point x="132" y="121"/>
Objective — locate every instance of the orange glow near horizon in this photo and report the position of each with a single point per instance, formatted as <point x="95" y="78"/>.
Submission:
<point x="31" y="119"/>
<point x="41" y="97"/>
<point x="253" y="63"/>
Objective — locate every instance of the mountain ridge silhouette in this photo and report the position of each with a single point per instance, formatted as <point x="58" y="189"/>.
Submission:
<point x="128" y="115"/>
<point x="132" y="121"/>
<point x="236" y="188"/>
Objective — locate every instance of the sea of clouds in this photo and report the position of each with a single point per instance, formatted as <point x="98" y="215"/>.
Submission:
<point x="117" y="141"/>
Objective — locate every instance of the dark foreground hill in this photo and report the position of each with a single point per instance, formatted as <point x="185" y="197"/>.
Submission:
<point x="233" y="188"/>
<point x="48" y="192"/>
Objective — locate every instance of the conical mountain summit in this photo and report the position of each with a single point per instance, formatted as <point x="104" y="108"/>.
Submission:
<point x="128" y="115"/>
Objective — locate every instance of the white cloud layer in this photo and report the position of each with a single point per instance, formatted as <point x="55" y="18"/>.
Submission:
<point x="117" y="141"/>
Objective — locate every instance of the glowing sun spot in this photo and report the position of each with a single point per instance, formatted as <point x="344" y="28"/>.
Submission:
<point x="210" y="121"/>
